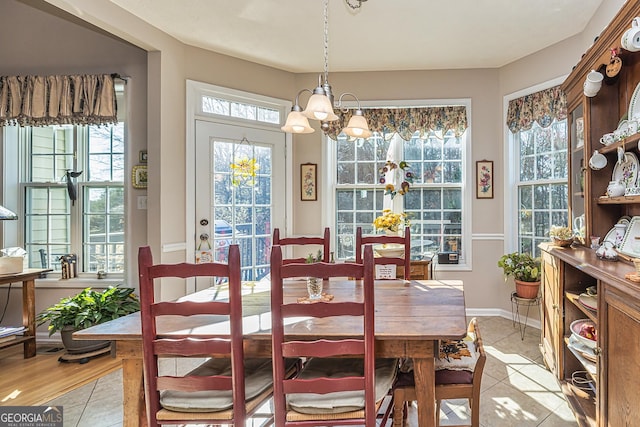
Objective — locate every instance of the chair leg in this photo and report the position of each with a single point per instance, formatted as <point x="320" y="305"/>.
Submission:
<point x="474" y="405"/>
<point x="399" y="407"/>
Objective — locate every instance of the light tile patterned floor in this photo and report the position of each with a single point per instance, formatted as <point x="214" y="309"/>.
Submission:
<point x="517" y="390"/>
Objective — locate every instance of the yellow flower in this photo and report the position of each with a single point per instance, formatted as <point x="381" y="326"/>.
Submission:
<point x="243" y="170"/>
<point x="390" y="220"/>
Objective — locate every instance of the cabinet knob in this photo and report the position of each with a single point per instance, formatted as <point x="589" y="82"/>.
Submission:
<point x="554" y="306"/>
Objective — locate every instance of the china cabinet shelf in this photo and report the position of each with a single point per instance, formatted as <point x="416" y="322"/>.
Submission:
<point x="629" y="142"/>
<point x="606" y="200"/>
<point x="588" y="365"/>
<point x="574" y="298"/>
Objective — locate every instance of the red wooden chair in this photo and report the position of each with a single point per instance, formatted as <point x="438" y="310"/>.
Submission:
<point x="226" y="388"/>
<point x="323" y="241"/>
<point x="404" y="261"/>
<point x="457" y="377"/>
<point x="342" y="383"/>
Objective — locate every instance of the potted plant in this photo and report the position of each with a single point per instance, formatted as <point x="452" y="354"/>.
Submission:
<point x="526" y="273"/>
<point x="87" y="308"/>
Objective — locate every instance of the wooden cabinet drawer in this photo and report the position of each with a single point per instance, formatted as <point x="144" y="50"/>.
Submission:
<point x="419" y="270"/>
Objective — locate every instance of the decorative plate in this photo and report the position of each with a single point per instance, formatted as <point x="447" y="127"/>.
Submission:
<point x="589" y="301"/>
<point x="585" y="351"/>
<point x="631" y="242"/>
<point x="611" y="236"/>
<point x="634" y="104"/>
<point x="626" y="171"/>
<point x="626" y="219"/>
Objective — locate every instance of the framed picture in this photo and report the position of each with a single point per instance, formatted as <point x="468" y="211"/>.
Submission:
<point x="142" y="156"/>
<point x="308" y="182"/>
<point x="139" y="176"/>
<point x="484" y="179"/>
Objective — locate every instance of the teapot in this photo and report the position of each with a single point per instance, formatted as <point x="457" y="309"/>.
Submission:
<point x="616" y="189"/>
<point x="607" y="251"/>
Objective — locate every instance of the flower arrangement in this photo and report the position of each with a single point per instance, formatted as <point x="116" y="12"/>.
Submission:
<point x="310" y="259"/>
<point x="243" y="170"/>
<point x="560" y="233"/>
<point x="406" y="176"/>
<point x="521" y="266"/>
<point x="390" y="220"/>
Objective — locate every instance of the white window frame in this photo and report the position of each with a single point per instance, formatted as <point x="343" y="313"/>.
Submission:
<point x="510" y="160"/>
<point x="329" y="148"/>
<point x="14" y="195"/>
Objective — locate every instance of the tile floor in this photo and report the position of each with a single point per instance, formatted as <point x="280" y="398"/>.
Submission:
<point x="517" y="390"/>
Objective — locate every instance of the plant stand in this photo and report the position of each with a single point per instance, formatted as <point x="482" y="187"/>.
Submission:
<point x="83" y="358"/>
<point x="526" y="304"/>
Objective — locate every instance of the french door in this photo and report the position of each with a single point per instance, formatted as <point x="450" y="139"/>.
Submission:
<point x="240" y="197"/>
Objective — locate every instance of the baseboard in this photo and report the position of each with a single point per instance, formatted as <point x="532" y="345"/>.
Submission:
<point x="497" y="312"/>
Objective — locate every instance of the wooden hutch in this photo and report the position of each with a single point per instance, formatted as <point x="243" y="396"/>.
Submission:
<point x="568" y="272"/>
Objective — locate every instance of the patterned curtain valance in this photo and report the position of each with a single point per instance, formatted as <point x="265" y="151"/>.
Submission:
<point x="542" y="107"/>
<point x="406" y="121"/>
<point x="54" y="100"/>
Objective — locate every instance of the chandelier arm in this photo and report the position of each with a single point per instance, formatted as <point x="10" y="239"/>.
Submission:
<point x="296" y="105"/>
<point x="345" y="109"/>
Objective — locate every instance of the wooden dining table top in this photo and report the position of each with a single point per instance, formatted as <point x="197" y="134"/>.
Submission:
<point x="405" y="310"/>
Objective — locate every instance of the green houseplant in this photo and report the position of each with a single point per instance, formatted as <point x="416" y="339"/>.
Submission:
<point x="525" y="271"/>
<point x="87" y="308"/>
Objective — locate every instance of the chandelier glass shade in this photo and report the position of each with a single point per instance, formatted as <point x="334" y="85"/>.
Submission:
<point x="6" y="214"/>
<point x="320" y="105"/>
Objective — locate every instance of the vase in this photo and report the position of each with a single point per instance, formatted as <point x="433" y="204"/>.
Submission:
<point x="527" y="290"/>
<point x="314" y="287"/>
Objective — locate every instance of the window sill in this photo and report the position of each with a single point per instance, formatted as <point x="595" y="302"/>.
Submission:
<point x="77" y="283"/>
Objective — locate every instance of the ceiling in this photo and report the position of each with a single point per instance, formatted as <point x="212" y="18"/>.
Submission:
<point x="381" y="35"/>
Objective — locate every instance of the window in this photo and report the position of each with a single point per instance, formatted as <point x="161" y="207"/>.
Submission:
<point x="434" y="204"/>
<point x="82" y="213"/>
<point x="542" y="170"/>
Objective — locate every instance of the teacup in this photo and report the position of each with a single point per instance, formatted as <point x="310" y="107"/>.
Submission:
<point x="631" y="38"/>
<point x="607" y="138"/>
<point x="593" y="83"/>
<point x="597" y="161"/>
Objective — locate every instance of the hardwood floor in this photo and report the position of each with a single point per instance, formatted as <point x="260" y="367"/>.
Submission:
<point x="42" y="378"/>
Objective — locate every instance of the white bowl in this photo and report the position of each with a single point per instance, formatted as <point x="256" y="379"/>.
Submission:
<point x="390" y="251"/>
<point x="575" y="330"/>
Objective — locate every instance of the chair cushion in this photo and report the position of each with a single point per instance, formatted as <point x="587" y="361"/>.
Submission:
<point x="258" y="377"/>
<point x="453" y="355"/>
<point x="339" y="402"/>
<point x="457" y="354"/>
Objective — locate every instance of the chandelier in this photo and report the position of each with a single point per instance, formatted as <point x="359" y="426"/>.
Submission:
<point x="321" y="103"/>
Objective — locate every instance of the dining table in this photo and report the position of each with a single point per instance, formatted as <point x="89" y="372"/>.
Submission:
<point x="410" y="319"/>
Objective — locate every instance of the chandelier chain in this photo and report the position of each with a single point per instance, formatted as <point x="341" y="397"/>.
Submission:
<point x="355" y="5"/>
<point x="326" y="40"/>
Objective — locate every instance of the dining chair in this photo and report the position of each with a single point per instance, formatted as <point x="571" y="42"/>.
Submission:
<point x="384" y="239"/>
<point x="341" y="382"/>
<point x="323" y="241"/>
<point x="224" y="389"/>
<point x="459" y="369"/>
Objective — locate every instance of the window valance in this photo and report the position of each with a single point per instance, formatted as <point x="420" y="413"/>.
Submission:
<point x="541" y="107"/>
<point x="54" y="100"/>
<point x="406" y="121"/>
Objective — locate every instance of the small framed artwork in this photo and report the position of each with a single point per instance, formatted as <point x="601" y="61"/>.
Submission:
<point x="139" y="176"/>
<point x="308" y="182"/>
<point x="142" y="157"/>
<point x="484" y="177"/>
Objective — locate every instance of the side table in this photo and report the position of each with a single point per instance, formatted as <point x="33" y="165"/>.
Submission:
<point x="522" y="304"/>
<point x="27" y="277"/>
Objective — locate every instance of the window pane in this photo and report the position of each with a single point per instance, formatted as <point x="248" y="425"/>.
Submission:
<point x="542" y="190"/>
<point x="435" y="211"/>
<point x="51" y="217"/>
